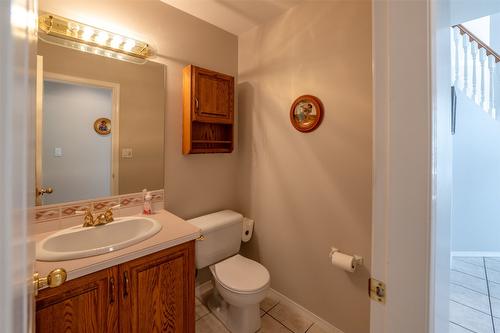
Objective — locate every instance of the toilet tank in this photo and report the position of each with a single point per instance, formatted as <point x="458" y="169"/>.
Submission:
<point x="222" y="236"/>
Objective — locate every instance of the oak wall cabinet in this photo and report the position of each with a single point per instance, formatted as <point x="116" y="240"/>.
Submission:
<point x="208" y="111"/>
<point x="154" y="293"/>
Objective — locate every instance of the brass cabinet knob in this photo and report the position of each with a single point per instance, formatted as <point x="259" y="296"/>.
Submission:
<point x="54" y="279"/>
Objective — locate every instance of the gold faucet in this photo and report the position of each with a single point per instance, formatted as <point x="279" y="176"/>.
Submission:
<point x="101" y="219"/>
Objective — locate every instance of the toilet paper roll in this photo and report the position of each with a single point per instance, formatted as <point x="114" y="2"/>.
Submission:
<point x="247" y="230"/>
<point x="344" y="261"/>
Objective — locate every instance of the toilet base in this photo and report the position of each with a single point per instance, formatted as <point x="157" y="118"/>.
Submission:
<point x="236" y="319"/>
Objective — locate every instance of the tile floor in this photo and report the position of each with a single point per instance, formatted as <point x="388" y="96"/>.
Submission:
<point x="276" y="318"/>
<point x="475" y="295"/>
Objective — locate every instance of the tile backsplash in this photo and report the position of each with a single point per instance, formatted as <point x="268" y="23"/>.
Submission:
<point x="68" y="210"/>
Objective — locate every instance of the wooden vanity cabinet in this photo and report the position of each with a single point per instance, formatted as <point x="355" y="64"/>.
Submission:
<point x="208" y="111"/>
<point x="86" y="304"/>
<point x="158" y="292"/>
<point x="154" y="293"/>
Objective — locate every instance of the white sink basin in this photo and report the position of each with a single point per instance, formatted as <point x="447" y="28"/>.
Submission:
<point x="79" y="242"/>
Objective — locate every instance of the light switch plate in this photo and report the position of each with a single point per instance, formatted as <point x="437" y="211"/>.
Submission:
<point x="58" y="152"/>
<point x="127" y="153"/>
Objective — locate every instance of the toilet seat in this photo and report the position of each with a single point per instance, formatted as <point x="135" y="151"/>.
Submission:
<point x="241" y="275"/>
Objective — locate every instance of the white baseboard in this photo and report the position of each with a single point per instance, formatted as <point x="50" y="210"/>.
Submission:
<point x="206" y="287"/>
<point x="474" y="254"/>
<point x="323" y="324"/>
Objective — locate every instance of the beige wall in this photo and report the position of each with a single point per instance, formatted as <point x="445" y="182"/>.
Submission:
<point x="141" y="110"/>
<point x="310" y="191"/>
<point x="305" y="191"/>
<point x="194" y="184"/>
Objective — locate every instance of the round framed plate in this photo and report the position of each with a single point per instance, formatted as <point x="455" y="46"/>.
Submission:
<point x="102" y="126"/>
<point x="306" y="113"/>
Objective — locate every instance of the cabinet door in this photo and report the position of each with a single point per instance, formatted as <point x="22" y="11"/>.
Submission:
<point x="86" y="304"/>
<point x="213" y="97"/>
<point x="157" y="292"/>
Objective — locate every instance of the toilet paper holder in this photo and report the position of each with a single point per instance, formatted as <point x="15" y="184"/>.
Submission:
<point x="356" y="262"/>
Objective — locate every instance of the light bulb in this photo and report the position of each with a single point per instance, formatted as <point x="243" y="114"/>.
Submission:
<point x="129" y="45"/>
<point x="116" y="42"/>
<point x="88" y="32"/>
<point x="102" y="38"/>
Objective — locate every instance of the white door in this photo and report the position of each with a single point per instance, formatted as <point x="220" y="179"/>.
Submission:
<point x="17" y="110"/>
<point x="411" y="204"/>
<point x="77" y="160"/>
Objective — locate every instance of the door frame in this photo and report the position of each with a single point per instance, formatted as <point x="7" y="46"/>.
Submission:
<point x="411" y="207"/>
<point x="38" y="129"/>
<point x="115" y="114"/>
<point x="17" y="109"/>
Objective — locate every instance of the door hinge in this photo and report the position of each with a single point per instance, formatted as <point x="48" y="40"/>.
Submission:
<point x="377" y="290"/>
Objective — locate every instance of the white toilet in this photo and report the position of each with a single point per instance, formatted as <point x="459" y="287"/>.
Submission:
<point x="240" y="283"/>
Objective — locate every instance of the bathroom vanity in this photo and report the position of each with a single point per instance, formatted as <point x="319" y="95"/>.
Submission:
<point x="147" y="287"/>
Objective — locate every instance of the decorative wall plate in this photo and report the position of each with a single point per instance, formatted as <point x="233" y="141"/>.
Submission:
<point x="306" y="113"/>
<point x="102" y="126"/>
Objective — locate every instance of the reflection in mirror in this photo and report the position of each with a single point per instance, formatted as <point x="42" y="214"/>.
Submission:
<point x="100" y="126"/>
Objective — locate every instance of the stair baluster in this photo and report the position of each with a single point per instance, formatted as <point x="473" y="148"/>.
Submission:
<point x="474" y="50"/>
<point x="466" y="63"/>
<point x="491" y="67"/>
<point x="482" y="59"/>
<point x="456" y="38"/>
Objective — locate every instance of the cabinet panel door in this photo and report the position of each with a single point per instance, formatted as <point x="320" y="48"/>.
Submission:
<point x="213" y="96"/>
<point x="158" y="292"/>
<point x="86" y="304"/>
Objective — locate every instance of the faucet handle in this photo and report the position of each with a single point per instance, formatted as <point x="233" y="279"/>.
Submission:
<point x="88" y="218"/>
<point x="108" y="215"/>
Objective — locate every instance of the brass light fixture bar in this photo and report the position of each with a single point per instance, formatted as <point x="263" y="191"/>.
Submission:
<point x="65" y="32"/>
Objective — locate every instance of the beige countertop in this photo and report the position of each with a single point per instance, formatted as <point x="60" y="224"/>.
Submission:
<point x="174" y="231"/>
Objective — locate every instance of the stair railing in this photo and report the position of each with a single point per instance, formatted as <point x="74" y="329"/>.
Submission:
<point x="474" y="61"/>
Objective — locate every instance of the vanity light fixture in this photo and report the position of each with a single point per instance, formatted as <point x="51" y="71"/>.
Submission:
<point x="79" y="36"/>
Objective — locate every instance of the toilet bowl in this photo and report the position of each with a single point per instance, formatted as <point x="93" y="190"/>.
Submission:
<point x="240" y="284"/>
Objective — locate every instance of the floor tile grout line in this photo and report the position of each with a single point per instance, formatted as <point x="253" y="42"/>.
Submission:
<point x="270" y="315"/>
<point x="265" y="313"/>
<point x="272" y="307"/>
<point x="465" y="328"/>
<point x="461" y="260"/>
<point x="489" y="299"/>
<point x="494" y="270"/>
<point x="470" y="307"/>
<point x="456" y="270"/>
<point x="487" y="268"/>
<point x="309" y="328"/>
<point x="461" y="285"/>
<point x="206" y="314"/>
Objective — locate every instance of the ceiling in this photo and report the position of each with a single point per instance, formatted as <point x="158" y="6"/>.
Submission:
<point x="234" y="16"/>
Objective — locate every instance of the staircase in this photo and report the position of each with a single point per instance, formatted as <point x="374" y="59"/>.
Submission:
<point x="474" y="69"/>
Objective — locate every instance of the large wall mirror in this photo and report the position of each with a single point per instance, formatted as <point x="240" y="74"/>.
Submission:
<point x="100" y="126"/>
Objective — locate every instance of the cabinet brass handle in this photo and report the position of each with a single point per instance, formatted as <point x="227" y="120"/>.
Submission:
<point x="196" y="103"/>
<point x="125" y="284"/>
<point x="111" y="290"/>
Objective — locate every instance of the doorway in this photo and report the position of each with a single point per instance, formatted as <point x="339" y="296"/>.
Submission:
<point x="73" y="140"/>
<point x="475" y="247"/>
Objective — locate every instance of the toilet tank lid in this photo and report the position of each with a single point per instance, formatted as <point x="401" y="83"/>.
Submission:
<point x="216" y="220"/>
